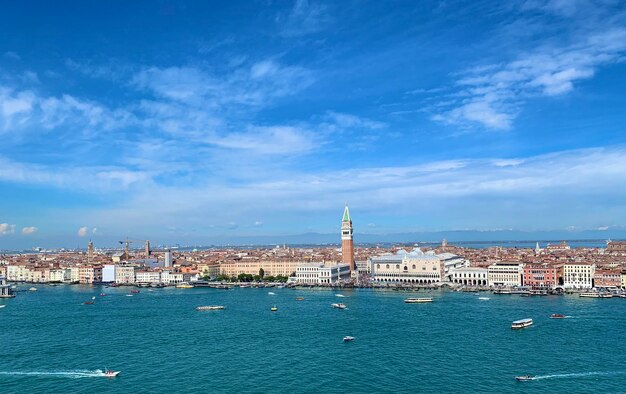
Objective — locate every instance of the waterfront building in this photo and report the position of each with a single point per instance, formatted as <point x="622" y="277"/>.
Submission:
<point x="347" y="243"/>
<point x="578" y="276"/>
<point x="471" y="276"/>
<point x="540" y="276"/>
<point x="252" y="267"/>
<point x="59" y="275"/>
<point x="607" y="277"/>
<point x="74" y="274"/>
<point x="623" y="276"/>
<point x="211" y="270"/>
<point x="505" y="274"/>
<point x="318" y="273"/>
<point x="90" y="274"/>
<point x="108" y="273"/>
<point x="147" y="277"/>
<point x="125" y="274"/>
<point x="17" y="272"/>
<point x="415" y="267"/>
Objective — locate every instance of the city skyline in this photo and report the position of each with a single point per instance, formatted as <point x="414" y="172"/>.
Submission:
<point x="215" y="121"/>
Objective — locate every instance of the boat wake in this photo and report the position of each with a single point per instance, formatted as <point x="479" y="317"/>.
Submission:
<point x="76" y="374"/>
<point x="576" y="375"/>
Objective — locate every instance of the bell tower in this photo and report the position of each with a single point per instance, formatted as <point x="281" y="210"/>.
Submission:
<point x="347" y="245"/>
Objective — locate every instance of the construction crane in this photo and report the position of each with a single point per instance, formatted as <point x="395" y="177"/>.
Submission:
<point x="127" y="243"/>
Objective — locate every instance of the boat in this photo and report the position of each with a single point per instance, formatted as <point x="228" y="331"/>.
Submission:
<point x="88" y="303"/>
<point x="338" y="305"/>
<point x="273" y="309"/>
<point x="339" y="295"/>
<point x="348" y="338"/>
<point x="523" y="323"/>
<point x="417" y="300"/>
<point x="524" y="378"/>
<point x="102" y="294"/>
<point x="110" y="374"/>
<point x="502" y="291"/>
<point x="223" y="287"/>
<point x="484" y="298"/>
<point x="299" y="298"/>
<point x="32" y="289"/>
<point x="591" y="294"/>
<point x="2" y="306"/>
<point x="557" y="316"/>
<point x="210" y="308"/>
<point x="606" y="295"/>
<point x="129" y="295"/>
<point x="135" y="291"/>
<point x="184" y="285"/>
<point x="271" y="293"/>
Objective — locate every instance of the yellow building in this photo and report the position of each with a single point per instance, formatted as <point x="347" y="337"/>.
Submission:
<point x="623" y="279"/>
<point x="252" y="267"/>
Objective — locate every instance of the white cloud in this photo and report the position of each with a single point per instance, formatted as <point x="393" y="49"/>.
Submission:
<point x="7" y="229"/>
<point x="258" y="223"/>
<point x="82" y="231"/>
<point x="15" y="108"/>
<point x="29" y="230"/>
<point x="492" y="96"/>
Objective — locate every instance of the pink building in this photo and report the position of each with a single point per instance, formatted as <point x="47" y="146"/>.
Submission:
<point x="540" y="276"/>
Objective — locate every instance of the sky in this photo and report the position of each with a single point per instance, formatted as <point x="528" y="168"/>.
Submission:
<point x="186" y="122"/>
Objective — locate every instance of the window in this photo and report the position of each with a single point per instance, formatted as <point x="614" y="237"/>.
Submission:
<point x="387" y="266"/>
<point x="397" y="266"/>
<point x="413" y="266"/>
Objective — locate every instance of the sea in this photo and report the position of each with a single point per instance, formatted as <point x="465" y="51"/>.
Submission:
<point x="51" y="342"/>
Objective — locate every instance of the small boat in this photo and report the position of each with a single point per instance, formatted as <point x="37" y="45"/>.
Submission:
<point x="338" y="305"/>
<point x="32" y="289"/>
<point x="524" y="378"/>
<point x="2" y="306"/>
<point x="88" y="303"/>
<point x="348" y="338"/>
<point x="102" y="294"/>
<point x="135" y="291"/>
<point x="339" y="295"/>
<point x="270" y="293"/>
<point x="523" y="323"/>
<point x="299" y="298"/>
<point x="557" y="316"/>
<point x="110" y="374"/>
<point x="184" y="285"/>
<point x="417" y="300"/>
<point x="273" y="309"/>
<point x="484" y="298"/>
<point x="210" y="308"/>
<point x="129" y="295"/>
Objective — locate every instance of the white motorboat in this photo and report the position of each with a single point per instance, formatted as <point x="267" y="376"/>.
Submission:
<point x="338" y="305"/>
<point x="348" y="338"/>
<point x="110" y="374"/>
<point x="210" y="308"/>
<point x="524" y="378"/>
<point x="523" y="323"/>
<point x="417" y="300"/>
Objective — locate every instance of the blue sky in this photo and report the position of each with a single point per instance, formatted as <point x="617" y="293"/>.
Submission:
<point x="187" y="121"/>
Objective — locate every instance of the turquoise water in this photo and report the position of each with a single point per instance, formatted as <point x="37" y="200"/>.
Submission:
<point x="51" y="342"/>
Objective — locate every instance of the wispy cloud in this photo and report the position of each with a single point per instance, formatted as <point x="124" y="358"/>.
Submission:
<point x="306" y="17"/>
<point x="83" y="231"/>
<point x="492" y="96"/>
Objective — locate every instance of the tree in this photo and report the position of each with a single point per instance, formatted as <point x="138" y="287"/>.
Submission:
<point x="270" y="278"/>
<point x="261" y="272"/>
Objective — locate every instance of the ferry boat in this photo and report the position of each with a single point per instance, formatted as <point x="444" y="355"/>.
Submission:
<point x="417" y="300"/>
<point x="524" y="378"/>
<point x="590" y="294"/>
<point x="557" y="316"/>
<point x="210" y="308"/>
<point x="606" y="295"/>
<point x="523" y="323"/>
<point x="338" y="305"/>
<point x="184" y="285"/>
<point x="348" y="338"/>
<point x="502" y="291"/>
